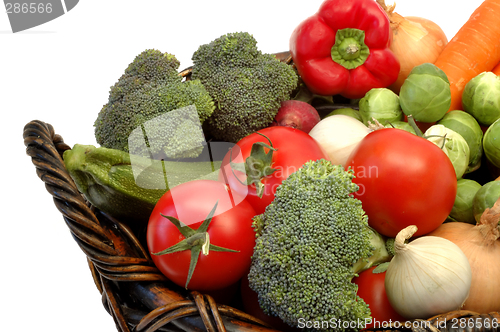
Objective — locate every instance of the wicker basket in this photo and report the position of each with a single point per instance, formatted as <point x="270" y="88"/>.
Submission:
<point x="134" y="292"/>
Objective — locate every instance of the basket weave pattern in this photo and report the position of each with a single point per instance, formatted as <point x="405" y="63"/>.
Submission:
<point x="134" y="292"/>
<point x="122" y="270"/>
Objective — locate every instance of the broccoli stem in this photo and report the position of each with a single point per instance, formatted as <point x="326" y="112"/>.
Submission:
<point x="380" y="253"/>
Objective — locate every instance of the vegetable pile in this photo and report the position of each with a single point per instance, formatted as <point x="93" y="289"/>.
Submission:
<point x="358" y="183"/>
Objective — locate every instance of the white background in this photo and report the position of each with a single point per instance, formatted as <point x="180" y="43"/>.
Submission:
<point x="60" y="73"/>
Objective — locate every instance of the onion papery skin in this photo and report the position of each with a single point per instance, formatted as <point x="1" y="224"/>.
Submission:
<point x="484" y="258"/>
<point x="426" y="279"/>
<point x="415" y="40"/>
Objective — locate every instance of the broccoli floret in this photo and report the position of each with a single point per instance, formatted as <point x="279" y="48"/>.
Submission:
<point x="247" y="85"/>
<point x="314" y="238"/>
<point x="149" y="67"/>
<point x="138" y="117"/>
<point x="389" y="244"/>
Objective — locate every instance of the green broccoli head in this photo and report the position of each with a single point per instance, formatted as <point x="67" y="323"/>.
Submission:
<point x="310" y="242"/>
<point x="149" y="67"/>
<point x="153" y="65"/>
<point x="246" y="85"/>
<point x="139" y="117"/>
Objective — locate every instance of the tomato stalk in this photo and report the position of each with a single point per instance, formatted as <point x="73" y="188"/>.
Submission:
<point x="196" y="240"/>
<point x="257" y="165"/>
<point x="413" y="124"/>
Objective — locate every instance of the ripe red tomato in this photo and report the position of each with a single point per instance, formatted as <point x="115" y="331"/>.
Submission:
<point x="230" y="227"/>
<point x="293" y="149"/>
<point x="404" y="180"/>
<point x="371" y="288"/>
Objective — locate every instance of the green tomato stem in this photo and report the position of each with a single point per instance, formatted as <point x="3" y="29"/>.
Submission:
<point x="413" y="124"/>
<point x="196" y="240"/>
<point x="257" y="165"/>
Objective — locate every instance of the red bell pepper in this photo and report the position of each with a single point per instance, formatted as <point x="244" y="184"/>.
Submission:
<point x="344" y="49"/>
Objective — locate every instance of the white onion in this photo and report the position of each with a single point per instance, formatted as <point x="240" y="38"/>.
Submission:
<point x="338" y="135"/>
<point x="426" y="277"/>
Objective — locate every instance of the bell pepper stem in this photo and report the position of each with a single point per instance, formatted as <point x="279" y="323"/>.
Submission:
<point x="350" y="50"/>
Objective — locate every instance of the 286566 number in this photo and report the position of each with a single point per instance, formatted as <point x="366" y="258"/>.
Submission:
<point x="471" y="323"/>
<point x="25" y="8"/>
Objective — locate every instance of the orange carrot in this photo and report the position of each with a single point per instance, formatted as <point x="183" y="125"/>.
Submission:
<point x="474" y="49"/>
<point x="496" y="70"/>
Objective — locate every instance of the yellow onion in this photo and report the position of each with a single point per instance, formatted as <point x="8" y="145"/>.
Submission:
<point x="415" y="40"/>
<point x="481" y="244"/>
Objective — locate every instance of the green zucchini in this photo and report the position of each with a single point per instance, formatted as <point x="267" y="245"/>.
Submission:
<point x="125" y="186"/>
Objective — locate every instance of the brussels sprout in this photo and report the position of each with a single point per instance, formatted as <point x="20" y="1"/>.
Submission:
<point x="468" y="127"/>
<point x="485" y="198"/>
<point x="401" y="125"/>
<point x="453" y="144"/>
<point x="381" y="104"/>
<point x="462" y="209"/>
<point x="481" y="98"/>
<point x="347" y="111"/>
<point x="426" y="94"/>
<point x="491" y="143"/>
